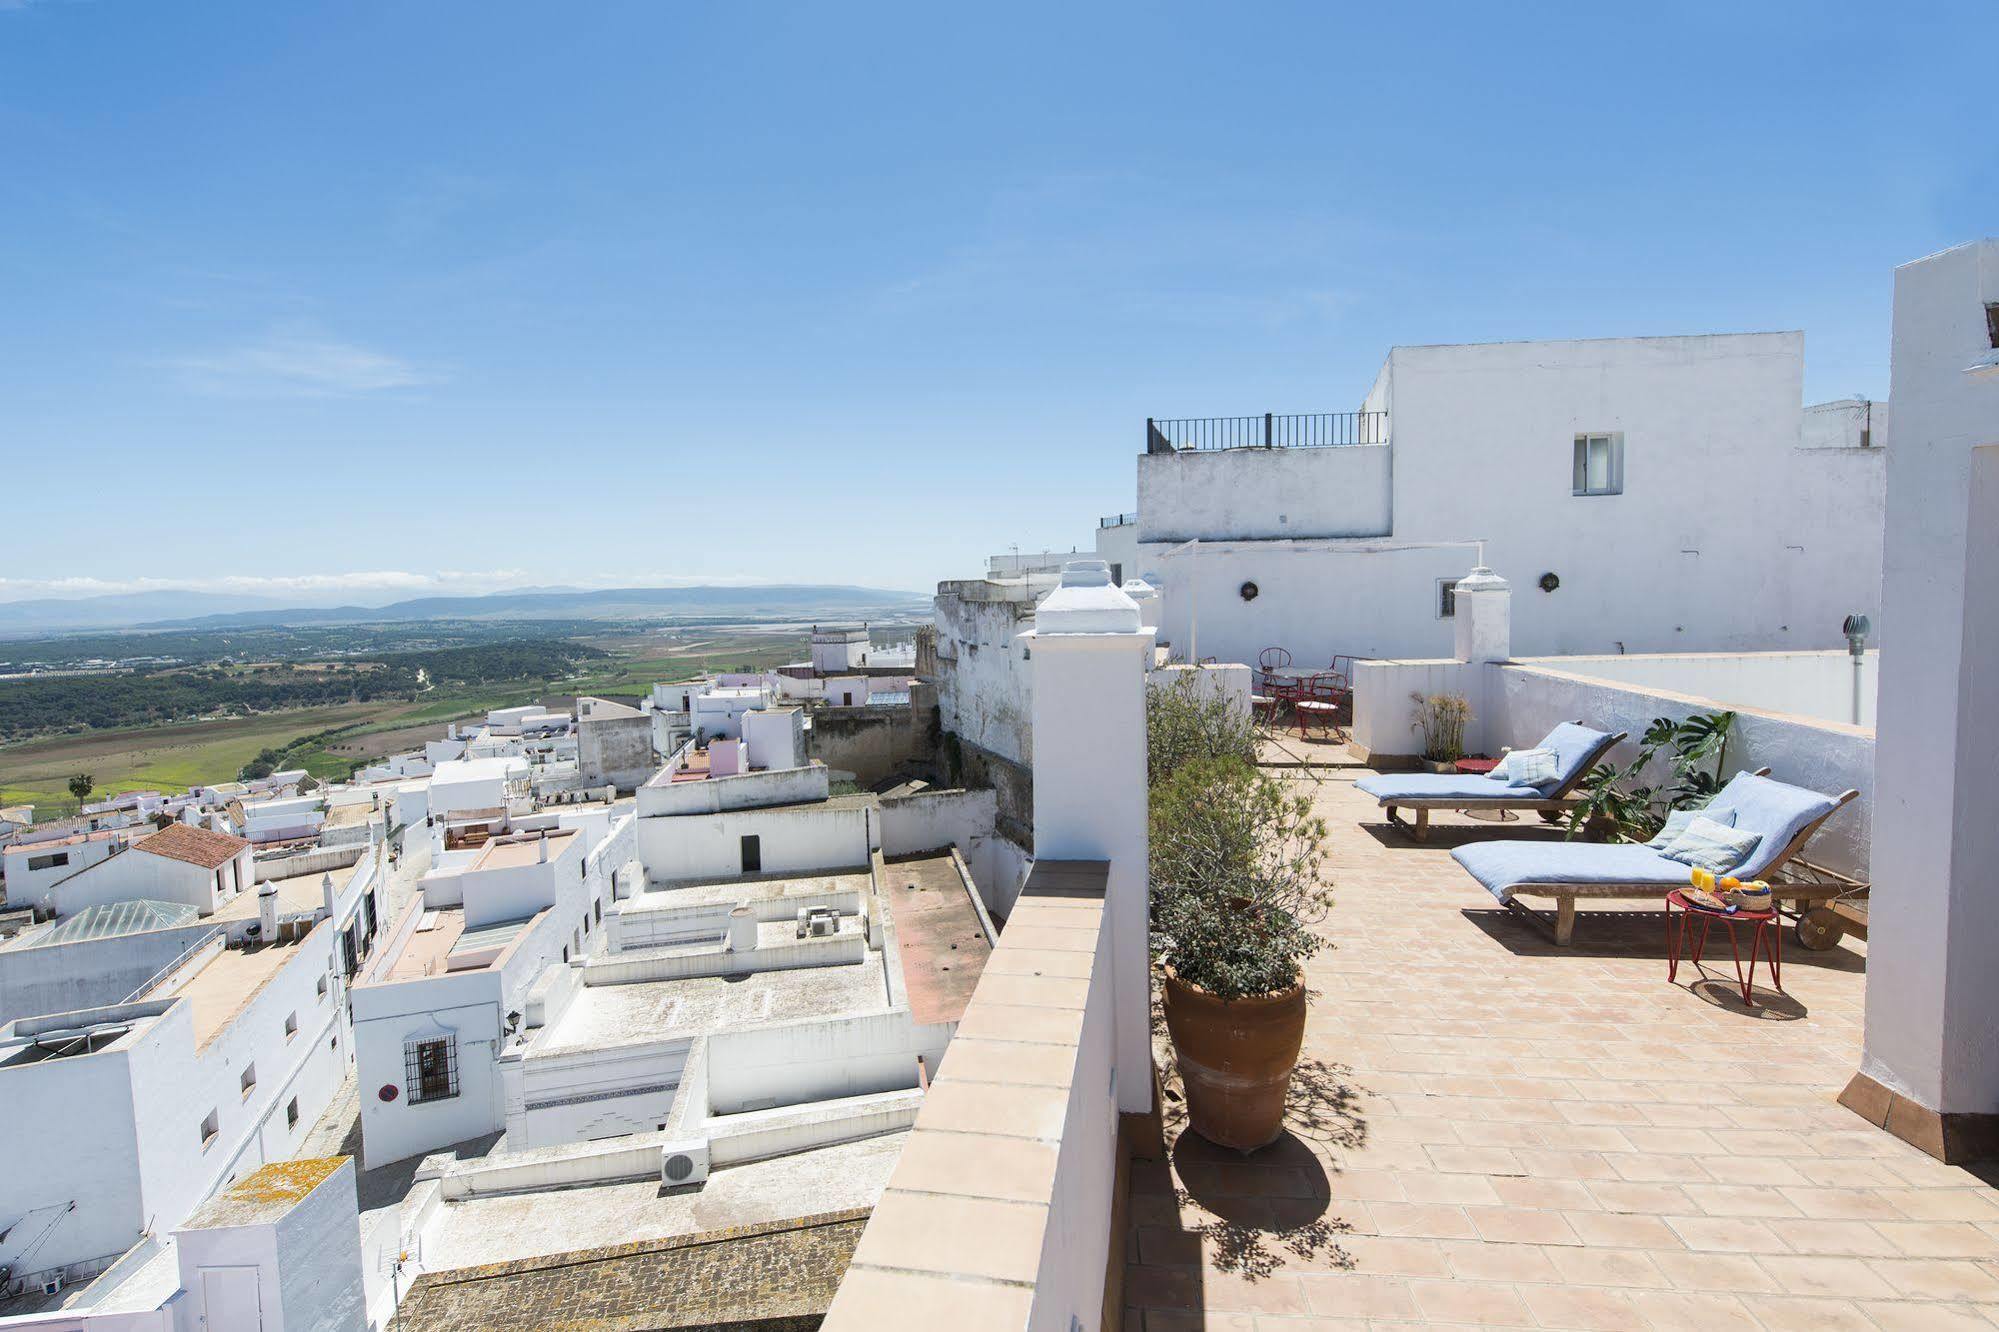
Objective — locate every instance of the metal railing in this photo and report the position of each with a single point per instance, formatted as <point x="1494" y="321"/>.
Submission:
<point x="187" y="954"/>
<point x="1307" y="430"/>
<point x="1118" y="520"/>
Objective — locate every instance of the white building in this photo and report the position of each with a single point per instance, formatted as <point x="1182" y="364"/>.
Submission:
<point x="839" y="648"/>
<point x="284" y="819"/>
<point x="178" y="863"/>
<point x="451" y="981"/>
<point x="1576" y="464"/>
<point x="144" y="1108"/>
<point x="34" y="868"/>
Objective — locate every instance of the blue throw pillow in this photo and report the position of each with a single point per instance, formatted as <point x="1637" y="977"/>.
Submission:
<point x="1714" y="846"/>
<point x="1677" y="821"/>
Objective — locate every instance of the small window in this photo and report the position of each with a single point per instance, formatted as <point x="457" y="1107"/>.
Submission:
<point x="1599" y="465"/>
<point x="430" y="1069"/>
<point x="291" y="1025"/>
<point x="600" y="910"/>
<point x="322" y="987"/>
<point x="56" y="861"/>
<point x="249" y="1079"/>
<point x="753" y="854"/>
<point x="210" y="1126"/>
<point x="1447" y="598"/>
<point x="291" y="1113"/>
<point x="1992" y="323"/>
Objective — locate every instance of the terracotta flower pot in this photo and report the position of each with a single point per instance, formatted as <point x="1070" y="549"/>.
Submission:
<point x="1235" y="1058"/>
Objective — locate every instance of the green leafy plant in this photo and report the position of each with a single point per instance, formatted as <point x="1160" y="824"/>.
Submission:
<point x="1442" y="719"/>
<point x="1185" y="722"/>
<point x="1616" y="799"/>
<point x="1236" y="884"/>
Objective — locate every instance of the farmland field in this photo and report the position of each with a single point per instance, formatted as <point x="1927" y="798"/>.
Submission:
<point x="175" y="756"/>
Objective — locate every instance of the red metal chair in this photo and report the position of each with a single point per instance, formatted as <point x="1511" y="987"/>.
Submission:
<point x="1268" y="660"/>
<point x="1322" y="698"/>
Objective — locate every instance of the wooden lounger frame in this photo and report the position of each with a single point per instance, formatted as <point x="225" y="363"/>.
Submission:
<point x="1558" y="803"/>
<point x="1800" y="894"/>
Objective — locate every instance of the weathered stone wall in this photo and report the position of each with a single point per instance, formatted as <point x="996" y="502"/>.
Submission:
<point x="880" y="740"/>
<point x="776" y="1276"/>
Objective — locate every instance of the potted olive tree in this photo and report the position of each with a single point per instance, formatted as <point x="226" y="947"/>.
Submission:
<point x="1235" y="890"/>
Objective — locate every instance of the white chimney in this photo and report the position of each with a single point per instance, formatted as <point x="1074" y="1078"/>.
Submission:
<point x="267" y="911"/>
<point x="742" y="929"/>
<point x="541" y="842"/>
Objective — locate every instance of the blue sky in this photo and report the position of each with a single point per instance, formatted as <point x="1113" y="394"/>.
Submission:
<point x="357" y="299"/>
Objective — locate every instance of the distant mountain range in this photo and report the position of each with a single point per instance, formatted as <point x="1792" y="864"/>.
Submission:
<point x="186" y="610"/>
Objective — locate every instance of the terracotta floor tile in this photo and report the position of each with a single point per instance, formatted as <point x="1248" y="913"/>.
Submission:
<point x="1499" y="1131"/>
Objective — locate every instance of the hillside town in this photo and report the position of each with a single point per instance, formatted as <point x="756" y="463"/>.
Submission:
<point x="859" y="992"/>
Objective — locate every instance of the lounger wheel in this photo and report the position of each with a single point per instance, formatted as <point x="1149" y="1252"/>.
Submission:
<point x="1820" y="929"/>
<point x="1552" y="816"/>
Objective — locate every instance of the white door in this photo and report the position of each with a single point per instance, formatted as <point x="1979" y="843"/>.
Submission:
<point x="230" y="1300"/>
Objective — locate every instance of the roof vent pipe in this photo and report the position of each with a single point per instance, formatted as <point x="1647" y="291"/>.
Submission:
<point x="742" y="929"/>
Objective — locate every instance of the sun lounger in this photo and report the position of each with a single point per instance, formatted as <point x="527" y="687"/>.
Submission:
<point x="1785" y="816"/>
<point x="1578" y="748"/>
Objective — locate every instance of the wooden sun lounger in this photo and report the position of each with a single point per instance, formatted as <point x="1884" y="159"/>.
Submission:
<point x="1818" y="927"/>
<point x="1547" y="807"/>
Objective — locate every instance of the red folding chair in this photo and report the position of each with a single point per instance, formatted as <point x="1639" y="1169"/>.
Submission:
<point x="1320" y="702"/>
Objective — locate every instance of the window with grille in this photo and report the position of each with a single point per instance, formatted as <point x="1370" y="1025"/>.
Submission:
<point x="430" y="1069"/>
<point x="1447" y="598"/>
<point x="1599" y="465"/>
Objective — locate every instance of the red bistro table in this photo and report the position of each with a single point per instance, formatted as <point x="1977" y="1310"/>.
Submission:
<point x="1768" y="940"/>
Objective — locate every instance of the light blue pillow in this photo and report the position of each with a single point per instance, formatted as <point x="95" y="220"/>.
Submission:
<point x="1539" y="768"/>
<point x="1714" y="846"/>
<point x="1677" y="821"/>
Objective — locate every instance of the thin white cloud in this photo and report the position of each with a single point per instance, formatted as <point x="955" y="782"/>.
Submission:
<point x="295" y="363"/>
<point x="317" y="587"/>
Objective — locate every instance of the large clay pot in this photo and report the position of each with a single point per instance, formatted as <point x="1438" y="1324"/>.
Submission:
<point x="1235" y="1059"/>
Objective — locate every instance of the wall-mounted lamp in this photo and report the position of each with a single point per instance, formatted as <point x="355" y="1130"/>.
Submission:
<point x="1249" y="591"/>
<point x="1549" y="581"/>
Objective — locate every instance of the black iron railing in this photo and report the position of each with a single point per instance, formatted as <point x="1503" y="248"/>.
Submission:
<point x="1118" y="520"/>
<point x="1307" y="430"/>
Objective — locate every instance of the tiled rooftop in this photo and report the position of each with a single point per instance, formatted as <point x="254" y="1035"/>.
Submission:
<point x="1488" y="1130"/>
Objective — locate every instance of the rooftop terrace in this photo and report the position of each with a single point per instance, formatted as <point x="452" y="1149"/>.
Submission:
<point x="1489" y="1130"/>
<point x="223" y="985"/>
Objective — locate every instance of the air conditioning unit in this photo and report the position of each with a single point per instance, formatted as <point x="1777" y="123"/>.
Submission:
<point x="52" y="1286"/>
<point x="683" y="1163"/>
<point x="818" y="922"/>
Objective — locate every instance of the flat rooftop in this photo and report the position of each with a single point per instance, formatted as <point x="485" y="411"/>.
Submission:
<point x="512" y="853"/>
<point x="298" y="893"/>
<point x="937" y="929"/>
<point x="687" y="1007"/>
<point x="471" y="1231"/>
<point x="426" y="950"/>
<point x="226" y="983"/>
<point x="728" y="892"/>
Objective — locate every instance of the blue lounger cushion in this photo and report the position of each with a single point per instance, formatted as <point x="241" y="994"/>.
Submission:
<point x="1574" y="747"/>
<point x="1501" y="866"/>
<point x="1777" y="811"/>
<point x="1392" y="787"/>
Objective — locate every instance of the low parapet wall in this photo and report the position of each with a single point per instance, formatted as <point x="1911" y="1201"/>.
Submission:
<point x="1003" y="1197"/>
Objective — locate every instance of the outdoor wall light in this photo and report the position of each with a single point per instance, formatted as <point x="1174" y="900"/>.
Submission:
<point x="1249" y="591"/>
<point x="1549" y="582"/>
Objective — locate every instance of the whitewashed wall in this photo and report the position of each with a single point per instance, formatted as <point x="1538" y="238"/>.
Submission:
<point x="1264" y="493"/>
<point x="1810" y="684"/>
<point x="793" y="840"/>
<point x="1313" y="598"/>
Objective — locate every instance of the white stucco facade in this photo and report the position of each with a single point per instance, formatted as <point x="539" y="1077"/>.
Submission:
<point x="1748" y="535"/>
<point x="1931" y="985"/>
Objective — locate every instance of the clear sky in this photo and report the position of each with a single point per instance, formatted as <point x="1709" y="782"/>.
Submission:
<point x="336" y="297"/>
